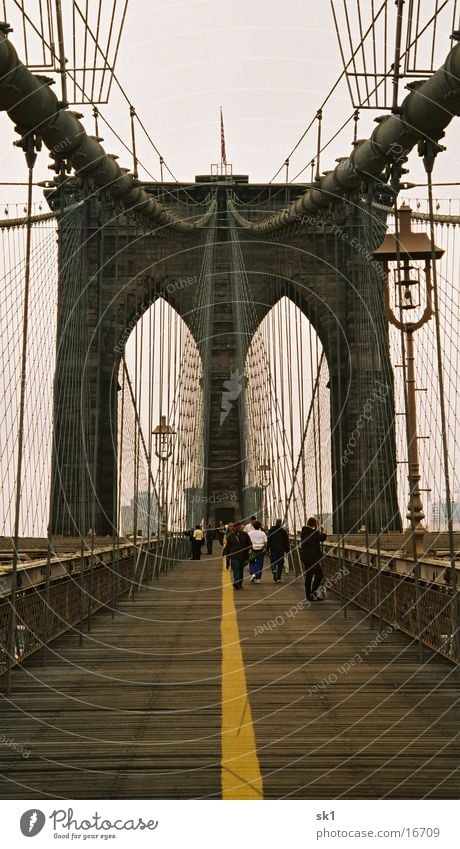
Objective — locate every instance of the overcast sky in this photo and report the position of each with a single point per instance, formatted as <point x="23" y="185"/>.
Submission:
<point x="268" y="64"/>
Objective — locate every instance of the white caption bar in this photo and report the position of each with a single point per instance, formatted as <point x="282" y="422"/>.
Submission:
<point x="229" y="825"/>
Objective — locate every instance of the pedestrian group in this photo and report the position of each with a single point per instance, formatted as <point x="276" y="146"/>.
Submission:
<point x="246" y="545"/>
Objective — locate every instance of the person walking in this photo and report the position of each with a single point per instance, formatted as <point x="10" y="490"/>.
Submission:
<point x="237" y="551"/>
<point x="250" y="525"/>
<point x="227" y="531"/>
<point x="278" y="547"/>
<point x="221" y="533"/>
<point x="209" y="538"/>
<point x="197" y="542"/>
<point x="258" y="539"/>
<point x="311" y="537"/>
<point x="190" y="539"/>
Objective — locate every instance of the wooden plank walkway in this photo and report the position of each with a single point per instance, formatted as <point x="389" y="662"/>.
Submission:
<point x="337" y="708"/>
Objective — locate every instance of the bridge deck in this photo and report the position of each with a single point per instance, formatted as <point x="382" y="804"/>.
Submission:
<point x="156" y="703"/>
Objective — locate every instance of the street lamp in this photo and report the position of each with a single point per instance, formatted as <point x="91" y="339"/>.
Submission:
<point x="398" y="252"/>
<point x="265" y="471"/>
<point x="164" y="443"/>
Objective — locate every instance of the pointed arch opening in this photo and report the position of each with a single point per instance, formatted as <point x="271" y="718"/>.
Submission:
<point x="287" y="421"/>
<point x="160" y="426"/>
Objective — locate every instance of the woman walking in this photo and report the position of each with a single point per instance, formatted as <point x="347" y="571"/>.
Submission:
<point x="258" y="539"/>
<point x="311" y="537"/>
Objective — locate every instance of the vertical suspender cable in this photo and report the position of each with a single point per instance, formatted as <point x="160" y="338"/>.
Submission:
<point x="337" y="460"/>
<point x="288" y="333"/>
<point x="29" y="147"/>
<point x="115" y="525"/>
<point x="120" y="466"/>
<point x="139" y="366"/>
<point x="355" y="128"/>
<point x="82" y="446"/>
<point x="428" y="161"/>
<point x="315" y="430"/>
<point x="318" y="417"/>
<point x="96" y="121"/>
<point x="52" y="493"/>
<point x="137" y="410"/>
<point x="97" y="415"/>
<point x="319" y="116"/>
<point x="416" y="567"/>
<point x="300" y="349"/>
<point x="62" y="58"/>
<point x="132" y="115"/>
<point x="151" y="316"/>
<point x="397" y="56"/>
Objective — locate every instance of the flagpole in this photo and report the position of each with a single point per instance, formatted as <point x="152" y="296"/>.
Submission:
<point x="223" y="154"/>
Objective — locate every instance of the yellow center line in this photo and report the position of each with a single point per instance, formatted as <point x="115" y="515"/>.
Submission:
<point x="241" y="777"/>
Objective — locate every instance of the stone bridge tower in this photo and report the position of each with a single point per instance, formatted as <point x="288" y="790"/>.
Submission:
<point x="322" y="265"/>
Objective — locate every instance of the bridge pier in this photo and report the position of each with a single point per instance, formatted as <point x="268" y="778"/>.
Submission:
<point x="225" y="382"/>
<point x="120" y="270"/>
<point x="86" y="381"/>
<point x="115" y="273"/>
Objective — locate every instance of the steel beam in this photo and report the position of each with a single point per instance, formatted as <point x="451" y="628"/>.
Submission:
<point x="33" y="106"/>
<point x="424" y="114"/>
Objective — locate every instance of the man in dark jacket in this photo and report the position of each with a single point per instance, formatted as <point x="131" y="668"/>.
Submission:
<point x="237" y="550"/>
<point x="311" y="554"/>
<point x="278" y="546"/>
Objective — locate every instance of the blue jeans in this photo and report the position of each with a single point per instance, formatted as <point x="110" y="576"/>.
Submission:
<point x="256" y="565"/>
<point x="277" y="565"/>
<point x="237" y="567"/>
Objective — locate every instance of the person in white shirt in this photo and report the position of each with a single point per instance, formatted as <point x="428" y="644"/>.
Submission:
<point x="258" y="538"/>
<point x="250" y="525"/>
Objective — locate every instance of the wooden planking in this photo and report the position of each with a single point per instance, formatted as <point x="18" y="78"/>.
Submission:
<point x="136" y="712"/>
<point x="384" y="727"/>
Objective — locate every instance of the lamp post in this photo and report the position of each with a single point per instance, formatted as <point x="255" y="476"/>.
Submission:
<point x="397" y="252"/>
<point x="265" y="471"/>
<point x="164" y="442"/>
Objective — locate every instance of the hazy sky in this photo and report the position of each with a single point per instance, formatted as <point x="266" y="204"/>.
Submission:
<point x="268" y="64"/>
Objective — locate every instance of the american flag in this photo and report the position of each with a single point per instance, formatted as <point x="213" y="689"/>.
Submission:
<point x="223" y="155"/>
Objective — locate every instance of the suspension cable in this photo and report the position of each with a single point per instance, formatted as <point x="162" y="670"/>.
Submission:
<point x="29" y="146"/>
<point x="430" y="150"/>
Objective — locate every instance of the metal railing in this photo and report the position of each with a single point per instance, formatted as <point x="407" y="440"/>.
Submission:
<point x="77" y="587"/>
<point x="392" y="598"/>
<point x="368" y="580"/>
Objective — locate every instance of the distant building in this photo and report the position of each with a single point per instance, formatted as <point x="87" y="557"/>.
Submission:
<point x="438" y="515"/>
<point x="195" y="506"/>
<point x="325" y="520"/>
<point x="127" y="513"/>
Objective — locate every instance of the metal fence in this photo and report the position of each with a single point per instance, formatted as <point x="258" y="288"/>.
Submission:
<point x="46" y="608"/>
<point x="428" y="612"/>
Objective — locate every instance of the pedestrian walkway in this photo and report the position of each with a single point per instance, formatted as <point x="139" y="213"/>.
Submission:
<point x="194" y="691"/>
